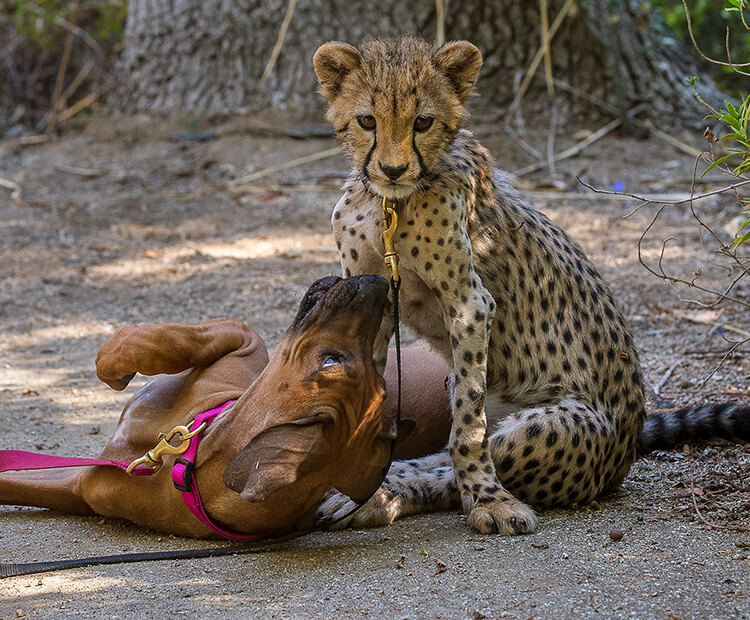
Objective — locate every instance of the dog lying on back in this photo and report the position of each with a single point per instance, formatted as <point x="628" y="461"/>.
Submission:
<point x="305" y="422"/>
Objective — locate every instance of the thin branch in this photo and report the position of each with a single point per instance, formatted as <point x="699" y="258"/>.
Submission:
<point x="699" y="50"/>
<point x="276" y="51"/>
<point x="545" y="42"/>
<point x="734" y="67"/>
<point x="522" y="143"/>
<point x="83" y="103"/>
<point x="77" y="81"/>
<point x="440" y="19"/>
<point x="15" y="189"/>
<point x="674" y="280"/>
<point x="736" y="345"/>
<point x="665" y="202"/>
<point x="62" y="70"/>
<point x="573" y="150"/>
<point x="251" y="187"/>
<point x="531" y="71"/>
<point x="288" y="164"/>
<point x="657" y="388"/>
<point x="706" y="522"/>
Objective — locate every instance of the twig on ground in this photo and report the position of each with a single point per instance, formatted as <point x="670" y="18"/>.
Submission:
<point x="663" y="403"/>
<point x="250" y="187"/>
<point x="573" y="150"/>
<point x="264" y="129"/>
<point x="83" y="103"/>
<point x="15" y="190"/>
<point x="275" y="52"/>
<point x="26" y="141"/>
<point x="706" y="522"/>
<point x="714" y="324"/>
<point x="680" y="146"/>
<point x="603" y="105"/>
<point x="90" y="173"/>
<point x="77" y="81"/>
<point x="735" y="345"/>
<point x="551" y="142"/>
<point x="523" y="143"/>
<point x="286" y="165"/>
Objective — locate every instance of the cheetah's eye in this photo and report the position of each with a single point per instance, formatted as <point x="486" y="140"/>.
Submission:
<point x="366" y="121"/>
<point x="423" y="123"/>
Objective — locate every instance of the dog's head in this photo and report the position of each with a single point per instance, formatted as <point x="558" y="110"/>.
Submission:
<point x="320" y="397"/>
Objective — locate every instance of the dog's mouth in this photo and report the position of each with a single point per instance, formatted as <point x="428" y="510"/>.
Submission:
<point x="333" y="294"/>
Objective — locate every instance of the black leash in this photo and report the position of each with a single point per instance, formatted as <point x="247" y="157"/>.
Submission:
<point x="28" y="568"/>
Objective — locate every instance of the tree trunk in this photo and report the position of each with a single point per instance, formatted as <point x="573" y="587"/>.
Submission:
<point x="208" y="56"/>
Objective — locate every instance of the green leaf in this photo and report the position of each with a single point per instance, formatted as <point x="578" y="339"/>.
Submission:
<point x="740" y="240"/>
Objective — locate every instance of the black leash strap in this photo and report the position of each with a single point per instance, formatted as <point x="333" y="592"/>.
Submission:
<point x="14" y="570"/>
<point x="395" y="287"/>
<point x="29" y="568"/>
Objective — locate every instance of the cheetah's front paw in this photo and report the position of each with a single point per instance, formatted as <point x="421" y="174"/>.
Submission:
<point x="504" y="515"/>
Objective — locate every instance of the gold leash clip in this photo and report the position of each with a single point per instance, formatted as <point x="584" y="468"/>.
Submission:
<point x="390" y="220"/>
<point x="154" y="457"/>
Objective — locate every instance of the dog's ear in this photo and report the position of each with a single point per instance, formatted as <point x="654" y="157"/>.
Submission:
<point x="332" y="62"/>
<point x="277" y="457"/>
<point x="460" y="62"/>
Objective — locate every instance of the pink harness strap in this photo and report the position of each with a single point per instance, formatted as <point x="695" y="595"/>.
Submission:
<point x="182" y="472"/>
<point x="184" y="480"/>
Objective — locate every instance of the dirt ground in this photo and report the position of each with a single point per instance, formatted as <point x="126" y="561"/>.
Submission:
<point x="117" y="223"/>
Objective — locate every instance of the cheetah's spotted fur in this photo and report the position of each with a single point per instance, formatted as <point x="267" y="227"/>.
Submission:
<point x="492" y="284"/>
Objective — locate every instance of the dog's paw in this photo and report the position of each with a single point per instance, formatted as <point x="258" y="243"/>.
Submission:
<point x="380" y="509"/>
<point x="503" y="515"/>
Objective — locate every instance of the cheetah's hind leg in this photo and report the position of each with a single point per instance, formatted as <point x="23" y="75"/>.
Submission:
<point x="411" y="487"/>
<point x="565" y="453"/>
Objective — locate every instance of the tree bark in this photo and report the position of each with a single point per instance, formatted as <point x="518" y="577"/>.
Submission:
<point x="208" y="56"/>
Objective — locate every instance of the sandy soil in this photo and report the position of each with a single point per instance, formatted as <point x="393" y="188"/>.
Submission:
<point x="116" y="223"/>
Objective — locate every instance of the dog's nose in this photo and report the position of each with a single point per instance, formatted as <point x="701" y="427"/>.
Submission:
<point x="393" y="173"/>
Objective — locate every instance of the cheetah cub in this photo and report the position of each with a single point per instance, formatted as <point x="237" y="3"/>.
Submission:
<point x="532" y="332"/>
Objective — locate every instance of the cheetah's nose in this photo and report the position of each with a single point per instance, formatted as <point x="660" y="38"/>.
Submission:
<point x="393" y="173"/>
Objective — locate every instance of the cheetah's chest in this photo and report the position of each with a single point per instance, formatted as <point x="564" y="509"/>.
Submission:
<point x="358" y="232"/>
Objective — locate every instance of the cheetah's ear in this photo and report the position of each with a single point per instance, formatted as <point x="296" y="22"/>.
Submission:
<point x="460" y="62"/>
<point x="332" y="62"/>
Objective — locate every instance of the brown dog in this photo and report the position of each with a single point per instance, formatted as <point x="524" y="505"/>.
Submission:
<point x="304" y="422"/>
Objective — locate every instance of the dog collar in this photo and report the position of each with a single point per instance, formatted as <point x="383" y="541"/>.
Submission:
<point x="184" y="481"/>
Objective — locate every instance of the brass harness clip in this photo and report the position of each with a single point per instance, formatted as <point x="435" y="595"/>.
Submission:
<point x="390" y="221"/>
<point x="154" y="457"/>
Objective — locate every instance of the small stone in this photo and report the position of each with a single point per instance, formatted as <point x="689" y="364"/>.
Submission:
<point x="19" y="613"/>
<point x="616" y="535"/>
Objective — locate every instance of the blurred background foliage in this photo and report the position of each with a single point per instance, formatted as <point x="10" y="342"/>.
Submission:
<point x="710" y="20"/>
<point x="33" y="35"/>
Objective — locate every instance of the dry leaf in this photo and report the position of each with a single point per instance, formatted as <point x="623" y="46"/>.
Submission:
<point x="441" y="567"/>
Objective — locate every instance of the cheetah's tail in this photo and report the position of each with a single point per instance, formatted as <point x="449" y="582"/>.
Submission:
<point x="667" y="430"/>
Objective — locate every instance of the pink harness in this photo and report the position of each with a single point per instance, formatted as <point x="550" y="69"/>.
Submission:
<point x="182" y="472"/>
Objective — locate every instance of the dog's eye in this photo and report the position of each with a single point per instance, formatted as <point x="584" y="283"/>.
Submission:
<point x="332" y="359"/>
<point x="423" y="123"/>
<point x="366" y="121"/>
